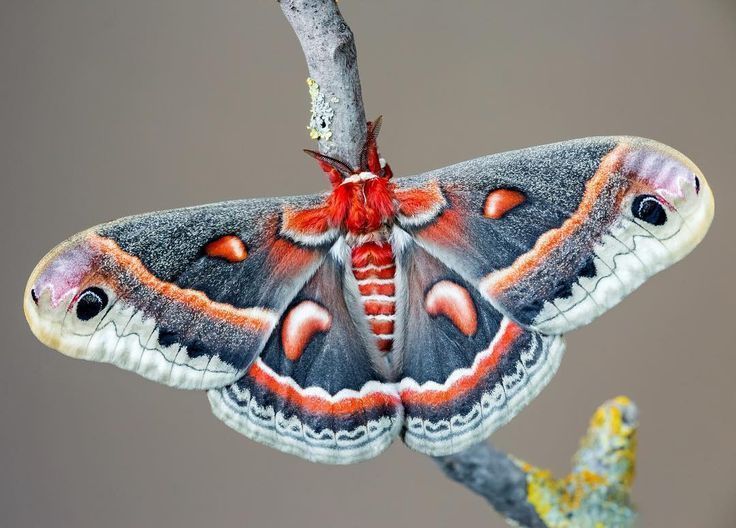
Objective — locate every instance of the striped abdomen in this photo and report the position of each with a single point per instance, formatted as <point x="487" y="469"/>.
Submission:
<point x="374" y="269"/>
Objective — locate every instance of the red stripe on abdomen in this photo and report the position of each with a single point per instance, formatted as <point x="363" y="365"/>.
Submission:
<point x="382" y="326"/>
<point x="373" y="308"/>
<point x="374" y="269"/>
<point x="369" y="287"/>
<point x="375" y="272"/>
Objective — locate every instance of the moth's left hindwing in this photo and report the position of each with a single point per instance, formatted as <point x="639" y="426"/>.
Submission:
<point x="186" y="297"/>
<point x="314" y="391"/>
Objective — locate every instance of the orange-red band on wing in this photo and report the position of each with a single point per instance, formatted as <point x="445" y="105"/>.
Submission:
<point x="287" y="259"/>
<point x="499" y="281"/>
<point x="311" y="222"/>
<point x="317" y="404"/>
<point x="420" y="201"/>
<point x="256" y="319"/>
<point x="501" y="346"/>
<point x="448" y="228"/>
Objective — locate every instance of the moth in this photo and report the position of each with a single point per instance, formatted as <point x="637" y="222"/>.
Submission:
<point x="430" y="308"/>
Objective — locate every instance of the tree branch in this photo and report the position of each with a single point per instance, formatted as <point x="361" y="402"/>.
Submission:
<point x="496" y="477"/>
<point x="338" y="119"/>
<point x="596" y="493"/>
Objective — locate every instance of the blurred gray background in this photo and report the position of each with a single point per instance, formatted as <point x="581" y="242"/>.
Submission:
<point x="110" y="108"/>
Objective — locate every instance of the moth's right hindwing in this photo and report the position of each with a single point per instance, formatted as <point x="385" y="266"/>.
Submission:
<point x="467" y="369"/>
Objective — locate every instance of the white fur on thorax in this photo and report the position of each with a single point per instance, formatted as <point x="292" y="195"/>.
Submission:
<point x="362" y="176"/>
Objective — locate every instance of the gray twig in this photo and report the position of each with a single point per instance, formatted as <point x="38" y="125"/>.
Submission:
<point x="495" y="477"/>
<point x="338" y="118"/>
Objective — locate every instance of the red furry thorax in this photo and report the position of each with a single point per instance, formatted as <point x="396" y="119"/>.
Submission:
<point x="362" y="199"/>
<point x="362" y="207"/>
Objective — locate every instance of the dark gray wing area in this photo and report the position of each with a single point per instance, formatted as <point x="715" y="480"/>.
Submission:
<point x="497" y="212"/>
<point x="467" y="369"/>
<point x="334" y="359"/>
<point x="171" y="245"/>
<point x="552" y="179"/>
<point x="313" y="392"/>
<point x="446" y="322"/>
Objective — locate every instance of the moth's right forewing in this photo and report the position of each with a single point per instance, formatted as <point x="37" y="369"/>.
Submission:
<point x="555" y="235"/>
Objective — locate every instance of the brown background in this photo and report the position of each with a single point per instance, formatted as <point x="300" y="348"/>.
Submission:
<point x="109" y="108"/>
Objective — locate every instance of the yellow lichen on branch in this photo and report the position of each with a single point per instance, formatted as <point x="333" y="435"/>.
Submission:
<point x="321" y="113"/>
<point x="597" y="492"/>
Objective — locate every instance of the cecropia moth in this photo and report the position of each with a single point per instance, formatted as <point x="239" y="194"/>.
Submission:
<point x="429" y="307"/>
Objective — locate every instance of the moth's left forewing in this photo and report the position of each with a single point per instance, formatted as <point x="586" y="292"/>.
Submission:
<point x="555" y="235"/>
<point x="186" y="297"/>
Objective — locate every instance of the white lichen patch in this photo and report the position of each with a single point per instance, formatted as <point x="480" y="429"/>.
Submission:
<point x="321" y="112"/>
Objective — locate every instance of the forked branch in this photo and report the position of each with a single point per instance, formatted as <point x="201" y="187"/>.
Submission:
<point x="597" y="491"/>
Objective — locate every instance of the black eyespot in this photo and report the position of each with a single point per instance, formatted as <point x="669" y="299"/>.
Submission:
<point x="697" y="185"/>
<point x="90" y="303"/>
<point x="646" y="207"/>
<point x="34" y="296"/>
